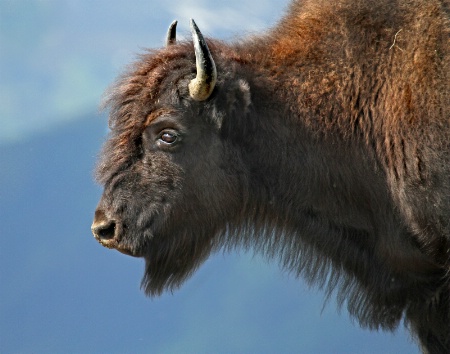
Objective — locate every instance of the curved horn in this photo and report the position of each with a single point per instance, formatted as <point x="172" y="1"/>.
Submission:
<point x="202" y="86"/>
<point x="171" y="37"/>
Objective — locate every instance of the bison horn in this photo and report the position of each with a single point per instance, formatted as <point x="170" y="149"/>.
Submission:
<point x="171" y="37"/>
<point x="202" y="86"/>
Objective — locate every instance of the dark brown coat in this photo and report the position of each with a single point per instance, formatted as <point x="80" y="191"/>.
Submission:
<point x="325" y="145"/>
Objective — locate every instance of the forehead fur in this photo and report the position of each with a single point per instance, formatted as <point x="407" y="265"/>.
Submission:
<point x="135" y="96"/>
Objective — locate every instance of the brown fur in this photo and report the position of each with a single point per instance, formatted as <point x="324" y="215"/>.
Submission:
<point x="325" y="145"/>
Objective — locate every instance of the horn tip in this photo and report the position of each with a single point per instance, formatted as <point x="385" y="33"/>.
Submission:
<point x="171" y="37"/>
<point x="193" y="25"/>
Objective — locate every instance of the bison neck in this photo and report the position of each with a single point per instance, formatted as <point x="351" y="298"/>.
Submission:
<point x="323" y="201"/>
<point x="297" y="175"/>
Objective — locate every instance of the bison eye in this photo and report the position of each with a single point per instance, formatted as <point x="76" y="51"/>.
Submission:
<point x="168" y="137"/>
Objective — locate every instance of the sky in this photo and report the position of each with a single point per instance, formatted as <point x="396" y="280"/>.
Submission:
<point x="61" y="292"/>
<point x="57" y="57"/>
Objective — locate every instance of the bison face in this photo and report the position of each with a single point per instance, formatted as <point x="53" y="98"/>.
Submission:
<point x="172" y="180"/>
<point x="171" y="203"/>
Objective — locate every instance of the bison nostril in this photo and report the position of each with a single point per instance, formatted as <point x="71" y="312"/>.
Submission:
<point x="104" y="230"/>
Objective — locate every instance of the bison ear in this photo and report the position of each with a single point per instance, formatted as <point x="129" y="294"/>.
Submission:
<point x="238" y="98"/>
<point x="246" y="97"/>
<point x="202" y="86"/>
<point x="171" y="37"/>
<point x="233" y="107"/>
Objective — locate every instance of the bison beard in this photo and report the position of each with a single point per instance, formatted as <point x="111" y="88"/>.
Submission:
<point x="323" y="143"/>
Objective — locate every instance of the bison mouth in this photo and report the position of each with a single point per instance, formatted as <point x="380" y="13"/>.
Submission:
<point x="114" y="244"/>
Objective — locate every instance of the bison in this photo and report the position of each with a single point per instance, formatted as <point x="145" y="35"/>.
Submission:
<point x="323" y="143"/>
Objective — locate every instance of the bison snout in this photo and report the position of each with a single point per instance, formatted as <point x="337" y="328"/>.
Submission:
<point x="104" y="229"/>
<point x="107" y="232"/>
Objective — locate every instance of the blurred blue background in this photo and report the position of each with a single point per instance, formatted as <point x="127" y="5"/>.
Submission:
<point x="60" y="291"/>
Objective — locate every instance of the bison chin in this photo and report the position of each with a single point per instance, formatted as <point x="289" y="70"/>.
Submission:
<point x="171" y="262"/>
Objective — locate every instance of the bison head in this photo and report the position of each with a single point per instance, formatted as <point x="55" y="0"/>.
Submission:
<point x="173" y="179"/>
